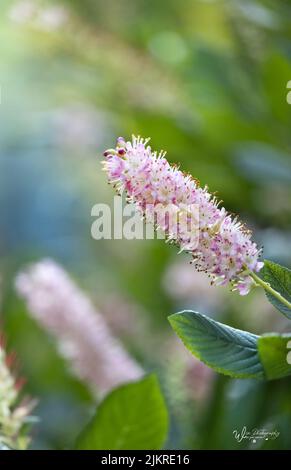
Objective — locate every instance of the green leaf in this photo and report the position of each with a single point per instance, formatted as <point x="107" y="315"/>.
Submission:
<point x="279" y="279"/>
<point x="225" y="349"/>
<point x="131" y="417"/>
<point x="273" y="351"/>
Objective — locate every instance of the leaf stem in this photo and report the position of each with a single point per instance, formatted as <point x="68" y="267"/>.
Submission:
<point x="269" y="289"/>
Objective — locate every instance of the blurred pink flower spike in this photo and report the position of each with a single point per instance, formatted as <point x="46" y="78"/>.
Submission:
<point x="83" y="338"/>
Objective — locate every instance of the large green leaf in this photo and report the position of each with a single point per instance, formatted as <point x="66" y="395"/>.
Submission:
<point x="133" y="416"/>
<point x="273" y="351"/>
<point x="225" y="349"/>
<point x="279" y="279"/>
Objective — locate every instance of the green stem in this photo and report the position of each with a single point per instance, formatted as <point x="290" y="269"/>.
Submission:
<point x="269" y="289"/>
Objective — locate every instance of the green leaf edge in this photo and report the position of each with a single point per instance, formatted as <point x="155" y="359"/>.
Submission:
<point x="218" y="369"/>
<point x="146" y="377"/>
<point x="266" y="336"/>
<point x="269" y="265"/>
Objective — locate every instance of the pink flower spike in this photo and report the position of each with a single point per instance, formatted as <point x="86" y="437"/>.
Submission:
<point x="224" y="249"/>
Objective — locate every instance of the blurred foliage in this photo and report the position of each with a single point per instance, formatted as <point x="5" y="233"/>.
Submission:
<point x="206" y="80"/>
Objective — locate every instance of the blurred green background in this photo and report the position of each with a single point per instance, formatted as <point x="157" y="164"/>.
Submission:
<point x="207" y="81"/>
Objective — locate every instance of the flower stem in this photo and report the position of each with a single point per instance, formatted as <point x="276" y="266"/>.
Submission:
<point x="270" y="289"/>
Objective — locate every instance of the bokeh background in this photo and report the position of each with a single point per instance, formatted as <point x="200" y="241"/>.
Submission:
<point x="207" y="81"/>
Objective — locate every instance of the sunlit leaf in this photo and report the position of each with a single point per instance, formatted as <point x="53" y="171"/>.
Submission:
<point x="279" y="278"/>
<point x="273" y="352"/>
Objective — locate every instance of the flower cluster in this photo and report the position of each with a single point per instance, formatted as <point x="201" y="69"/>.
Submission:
<point x="224" y="249"/>
<point x="82" y="335"/>
<point x="14" y="414"/>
